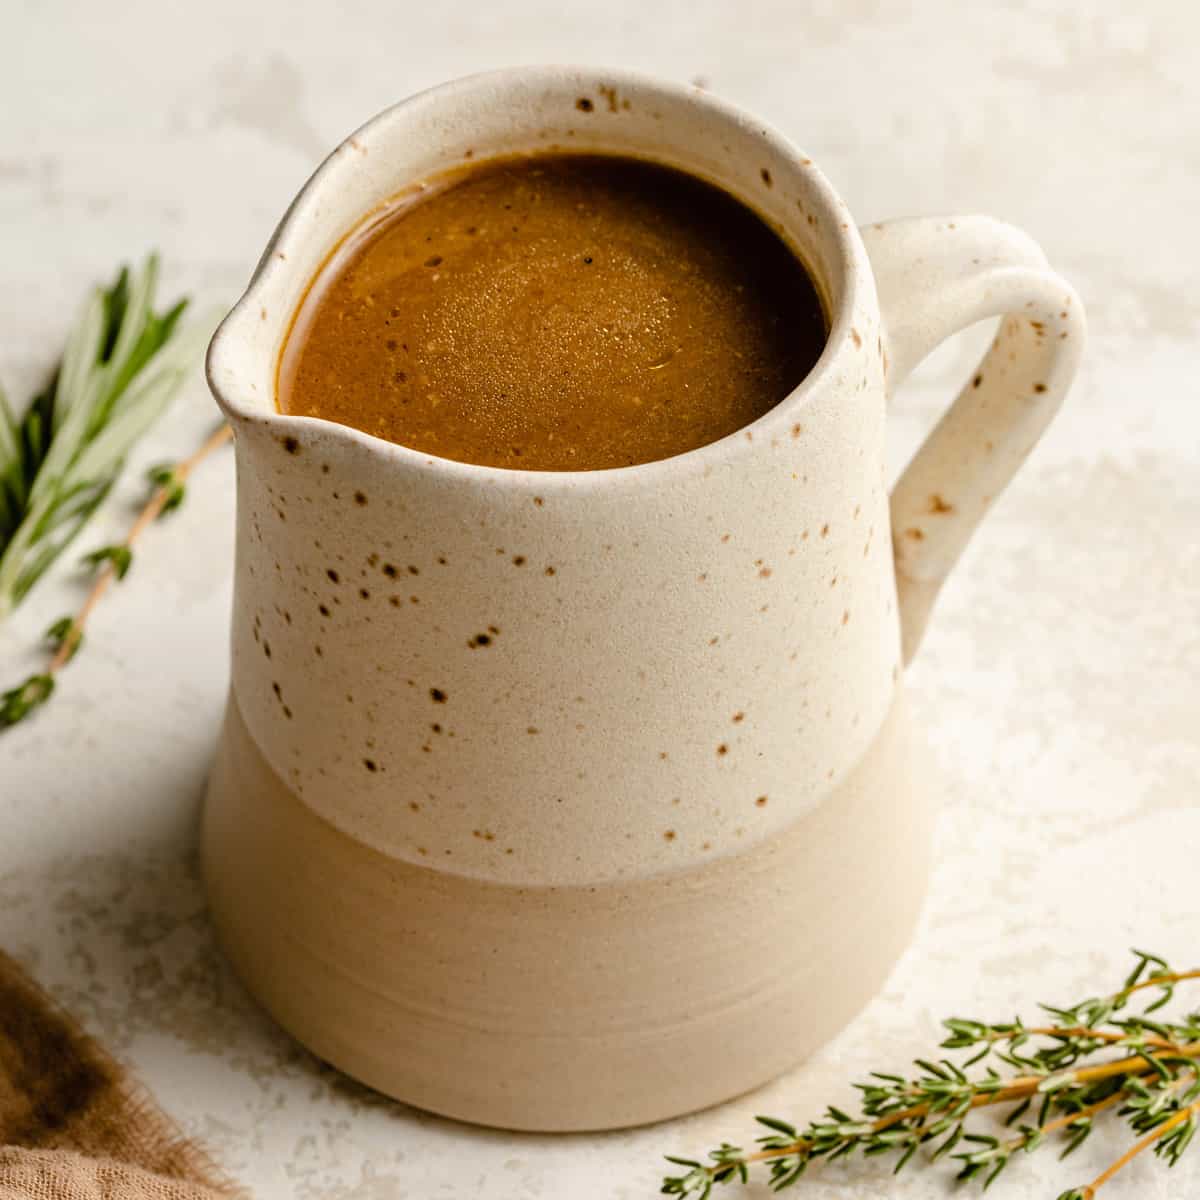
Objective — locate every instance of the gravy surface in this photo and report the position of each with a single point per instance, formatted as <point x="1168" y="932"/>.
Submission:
<point x="555" y="312"/>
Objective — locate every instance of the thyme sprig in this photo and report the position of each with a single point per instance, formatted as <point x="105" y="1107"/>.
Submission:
<point x="112" y="562"/>
<point x="1056" y="1087"/>
<point x="122" y="365"/>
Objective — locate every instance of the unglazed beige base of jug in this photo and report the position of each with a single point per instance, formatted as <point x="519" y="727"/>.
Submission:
<point x="573" y="800"/>
<point x="566" y="1008"/>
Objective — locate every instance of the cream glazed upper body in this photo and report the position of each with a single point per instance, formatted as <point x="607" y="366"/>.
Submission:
<point x="652" y="665"/>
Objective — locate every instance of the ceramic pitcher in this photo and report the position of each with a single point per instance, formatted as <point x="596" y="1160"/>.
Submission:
<point x="578" y="800"/>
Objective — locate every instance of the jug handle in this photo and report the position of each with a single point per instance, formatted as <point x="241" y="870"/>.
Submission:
<point x="936" y="276"/>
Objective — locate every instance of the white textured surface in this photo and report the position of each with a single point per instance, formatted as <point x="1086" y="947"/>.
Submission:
<point x="1061" y="676"/>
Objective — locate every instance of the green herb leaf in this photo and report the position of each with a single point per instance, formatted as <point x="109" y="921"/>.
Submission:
<point x="62" y="630"/>
<point x="166" y="477"/>
<point x="17" y="703"/>
<point x="120" y="555"/>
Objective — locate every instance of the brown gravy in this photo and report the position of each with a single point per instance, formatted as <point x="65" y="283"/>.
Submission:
<point x="555" y="312"/>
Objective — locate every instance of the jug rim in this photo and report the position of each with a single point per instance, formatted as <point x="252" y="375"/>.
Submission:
<point x="854" y="288"/>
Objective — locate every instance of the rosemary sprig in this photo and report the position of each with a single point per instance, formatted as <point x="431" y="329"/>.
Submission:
<point x="122" y="365"/>
<point x="1054" y="1074"/>
<point x="65" y="636"/>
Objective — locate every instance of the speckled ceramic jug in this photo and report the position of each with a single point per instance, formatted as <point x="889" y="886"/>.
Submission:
<point x="577" y="800"/>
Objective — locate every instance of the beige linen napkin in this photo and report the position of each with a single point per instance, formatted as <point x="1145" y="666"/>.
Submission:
<point x="73" y="1124"/>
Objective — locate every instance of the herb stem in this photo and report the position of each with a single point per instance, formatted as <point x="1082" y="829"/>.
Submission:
<point x="1072" y="1118"/>
<point x="1088" y="1191"/>
<point x="1082" y="1031"/>
<point x="1017" y="1089"/>
<point x="150" y="513"/>
<point x="1159" y="980"/>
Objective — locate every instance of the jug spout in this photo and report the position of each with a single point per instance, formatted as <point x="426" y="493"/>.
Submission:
<point x="242" y="357"/>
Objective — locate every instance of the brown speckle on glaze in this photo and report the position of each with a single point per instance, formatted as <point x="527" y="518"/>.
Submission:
<point x="334" y="577"/>
<point x="323" y="609"/>
<point x="764" y="572"/>
<point x="519" y="560"/>
<point x="550" y="571"/>
<point x="976" y="381"/>
<point x="266" y="648"/>
<point x="797" y="430"/>
<point x="668" y="835"/>
<point x="846" y="617"/>
<point x="856" y="336"/>
<point x="437" y="695"/>
<point x="915" y="534"/>
<point x="370" y="764"/>
<point x="584" y="105"/>
<point x="765" y="176"/>
<point x="761" y="802"/>
<point x="825" y="530"/>
<point x="1039" y="388"/>
<point x="290" y="444"/>
<point x="940" y="506"/>
<point x="360" y="498"/>
<point x="722" y="750"/>
<point x="738" y="717"/>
